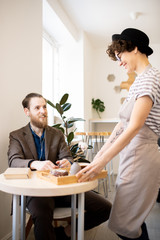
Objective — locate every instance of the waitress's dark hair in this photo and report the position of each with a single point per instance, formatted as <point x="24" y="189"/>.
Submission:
<point x="27" y="99"/>
<point x="119" y="46"/>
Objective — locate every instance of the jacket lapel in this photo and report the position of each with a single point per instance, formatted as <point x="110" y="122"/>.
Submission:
<point x="47" y="142"/>
<point x="30" y="141"/>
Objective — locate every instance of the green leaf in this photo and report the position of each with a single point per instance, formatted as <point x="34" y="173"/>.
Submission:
<point x="98" y="105"/>
<point x="71" y="120"/>
<point x="101" y="108"/>
<point x="57" y="125"/>
<point x="66" y="106"/>
<point x="68" y="125"/>
<point x="59" y="108"/>
<point x="74" y="146"/>
<point x="50" y="103"/>
<point x="70" y="137"/>
<point x="74" y="149"/>
<point x="90" y="147"/>
<point x="83" y="160"/>
<point x="62" y="129"/>
<point x="64" y="99"/>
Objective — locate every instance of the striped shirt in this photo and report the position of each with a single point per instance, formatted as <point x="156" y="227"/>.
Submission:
<point x="148" y="84"/>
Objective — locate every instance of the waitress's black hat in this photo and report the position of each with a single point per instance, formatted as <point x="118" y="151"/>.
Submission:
<point x="137" y="37"/>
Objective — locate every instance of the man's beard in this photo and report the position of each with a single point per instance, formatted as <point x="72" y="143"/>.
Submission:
<point x="38" y="123"/>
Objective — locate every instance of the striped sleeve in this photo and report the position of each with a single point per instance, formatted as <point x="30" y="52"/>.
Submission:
<point x="148" y="86"/>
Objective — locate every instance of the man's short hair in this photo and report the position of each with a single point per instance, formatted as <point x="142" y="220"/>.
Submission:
<point x="27" y="99"/>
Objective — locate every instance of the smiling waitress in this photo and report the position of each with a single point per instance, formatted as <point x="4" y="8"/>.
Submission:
<point x="134" y="137"/>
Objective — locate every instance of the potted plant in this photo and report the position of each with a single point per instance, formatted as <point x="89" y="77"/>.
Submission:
<point x="98" y="105"/>
<point x="62" y="106"/>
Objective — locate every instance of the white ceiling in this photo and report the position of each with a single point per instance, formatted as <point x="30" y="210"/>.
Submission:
<point x="102" y="18"/>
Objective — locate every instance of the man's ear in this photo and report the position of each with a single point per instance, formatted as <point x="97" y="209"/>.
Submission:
<point x="26" y="111"/>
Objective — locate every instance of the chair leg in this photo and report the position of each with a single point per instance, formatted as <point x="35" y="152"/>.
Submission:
<point x="55" y="223"/>
<point x="28" y="226"/>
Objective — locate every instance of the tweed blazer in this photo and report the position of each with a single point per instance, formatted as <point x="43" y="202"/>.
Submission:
<point x="22" y="148"/>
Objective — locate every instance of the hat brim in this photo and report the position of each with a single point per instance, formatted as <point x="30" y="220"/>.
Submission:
<point x="146" y="49"/>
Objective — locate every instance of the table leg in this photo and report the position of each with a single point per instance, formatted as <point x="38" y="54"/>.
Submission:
<point x="81" y="216"/>
<point x="23" y="216"/>
<point x="73" y="217"/>
<point x="15" y="218"/>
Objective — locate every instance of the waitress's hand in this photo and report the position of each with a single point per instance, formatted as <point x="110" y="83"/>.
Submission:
<point x="90" y="171"/>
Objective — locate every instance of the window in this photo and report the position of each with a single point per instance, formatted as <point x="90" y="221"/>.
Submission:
<point x="50" y="73"/>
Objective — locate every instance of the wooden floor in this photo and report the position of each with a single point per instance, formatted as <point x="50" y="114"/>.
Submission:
<point x="103" y="233"/>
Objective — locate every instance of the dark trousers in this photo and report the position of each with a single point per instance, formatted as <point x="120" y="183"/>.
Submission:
<point x="158" y="197"/>
<point x="97" y="211"/>
<point x="144" y="235"/>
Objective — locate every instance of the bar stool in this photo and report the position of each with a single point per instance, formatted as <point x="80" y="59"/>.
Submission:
<point x="97" y="140"/>
<point x="110" y="164"/>
<point x="82" y="135"/>
<point x="92" y="139"/>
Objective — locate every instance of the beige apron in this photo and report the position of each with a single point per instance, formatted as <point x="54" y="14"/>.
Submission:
<point x="138" y="179"/>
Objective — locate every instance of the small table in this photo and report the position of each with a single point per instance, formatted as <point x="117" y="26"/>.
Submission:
<point x="38" y="187"/>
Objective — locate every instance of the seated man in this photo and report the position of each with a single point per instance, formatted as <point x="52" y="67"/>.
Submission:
<point x="41" y="147"/>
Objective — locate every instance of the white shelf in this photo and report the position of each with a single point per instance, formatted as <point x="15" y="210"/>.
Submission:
<point x="95" y="122"/>
<point x="104" y="120"/>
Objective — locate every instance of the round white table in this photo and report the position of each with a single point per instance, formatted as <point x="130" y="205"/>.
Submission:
<point x="38" y="187"/>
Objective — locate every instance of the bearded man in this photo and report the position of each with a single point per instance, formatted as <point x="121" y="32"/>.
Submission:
<point x="41" y="147"/>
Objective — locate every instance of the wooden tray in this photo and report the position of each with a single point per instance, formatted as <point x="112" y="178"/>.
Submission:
<point x="46" y="175"/>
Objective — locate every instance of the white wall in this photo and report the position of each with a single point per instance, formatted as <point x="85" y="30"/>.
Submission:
<point x="88" y="80"/>
<point x="155" y="57"/>
<point x="103" y="89"/>
<point x="20" y="73"/>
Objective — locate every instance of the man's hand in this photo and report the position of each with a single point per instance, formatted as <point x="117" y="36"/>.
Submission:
<point x="43" y="165"/>
<point x="63" y="163"/>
